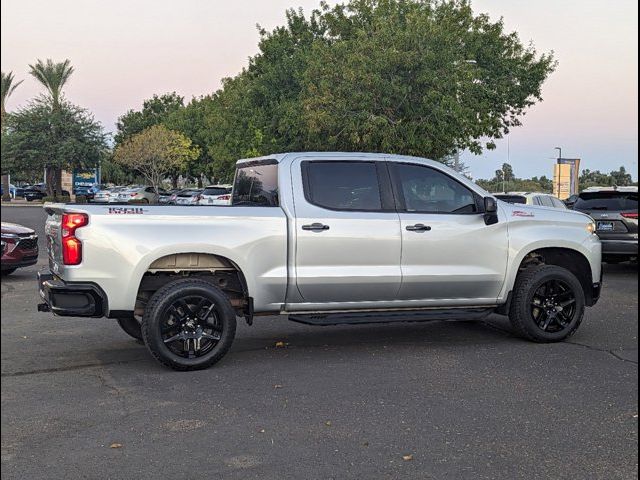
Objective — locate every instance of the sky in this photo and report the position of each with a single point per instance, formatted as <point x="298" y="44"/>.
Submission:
<point x="125" y="51"/>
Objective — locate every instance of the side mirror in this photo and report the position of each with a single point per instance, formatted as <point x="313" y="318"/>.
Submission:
<point x="490" y="211"/>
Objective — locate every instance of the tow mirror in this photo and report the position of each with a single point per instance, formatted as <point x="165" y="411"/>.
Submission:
<point x="490" y="210"/>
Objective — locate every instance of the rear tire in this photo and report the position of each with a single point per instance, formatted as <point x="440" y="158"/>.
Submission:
<point x="8" y="271"/>
<point x="131" y="327"/>
<point x="189" y="324"/>
<point x="548" y="304"/>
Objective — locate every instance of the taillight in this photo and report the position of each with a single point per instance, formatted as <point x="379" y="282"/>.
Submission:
<point x="71" y="246"/>
<point x="224" y="197"/>
<point x="630" y="215"/>
<point x="198" y="197"/>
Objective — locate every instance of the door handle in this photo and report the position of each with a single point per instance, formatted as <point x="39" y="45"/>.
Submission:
<point x="418" y="227"/>
<point x="315" y="227"/>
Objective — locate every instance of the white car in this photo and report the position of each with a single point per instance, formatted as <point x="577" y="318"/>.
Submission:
<point x="106" y="195"/>
<point x="325" y="238"/>
<point x="138" y="195"/>
<point x="189" y="196"/>
<point x="216" y="195"/>
<point x="531" y="198"/>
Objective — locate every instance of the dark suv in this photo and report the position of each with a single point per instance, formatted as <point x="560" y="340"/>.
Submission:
<point x="615" y="212"/>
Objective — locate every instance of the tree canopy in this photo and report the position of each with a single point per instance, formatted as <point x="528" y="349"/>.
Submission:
<point x="40" y="136"/>
<point x="155" y="153"/>
<point x="424" y="78"/>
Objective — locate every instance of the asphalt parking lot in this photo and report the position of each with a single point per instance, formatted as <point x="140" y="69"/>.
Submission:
<point x="81" y="399"/>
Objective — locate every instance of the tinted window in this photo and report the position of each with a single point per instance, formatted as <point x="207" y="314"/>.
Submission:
<point x="512" y="198"/>
<point x="615" y="201"/>
<point x="215" y="191"/>
<point x="557" y="203"/>
<point x="545" y="201"/>
<point x="427" y="190"/>
<point x="343" y="185"/>
<point x="256" y="184"/>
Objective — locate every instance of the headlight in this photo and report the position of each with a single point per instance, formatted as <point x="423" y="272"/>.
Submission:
<point x="591" y="227"/>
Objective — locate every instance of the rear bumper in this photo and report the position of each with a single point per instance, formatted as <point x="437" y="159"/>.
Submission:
<point x="70" y="299"/>
<point x="620" y="247"/>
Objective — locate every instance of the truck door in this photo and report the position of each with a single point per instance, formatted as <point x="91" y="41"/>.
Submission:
<point x="347" y="232"/>
<point x="449" y="255"/>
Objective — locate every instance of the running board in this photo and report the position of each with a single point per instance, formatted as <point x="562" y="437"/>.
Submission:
<point x="392" y="316"/>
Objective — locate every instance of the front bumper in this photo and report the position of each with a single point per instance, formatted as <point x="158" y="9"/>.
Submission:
<point x="71" y="299"/>
<point x="596" y="290"/>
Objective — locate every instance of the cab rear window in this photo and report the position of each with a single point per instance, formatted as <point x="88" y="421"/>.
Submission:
<point x="256" y="184"/>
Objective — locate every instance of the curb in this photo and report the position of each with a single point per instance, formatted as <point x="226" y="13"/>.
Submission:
<point x="11" y="204"/>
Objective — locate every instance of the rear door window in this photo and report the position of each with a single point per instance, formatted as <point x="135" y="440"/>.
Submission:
<point x="346" y="186"/>
<point x="607" y="201"/>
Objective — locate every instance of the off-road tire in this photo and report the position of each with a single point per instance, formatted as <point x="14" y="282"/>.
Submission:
<point x="165" y="297"/>
<point x="527" y="282"/>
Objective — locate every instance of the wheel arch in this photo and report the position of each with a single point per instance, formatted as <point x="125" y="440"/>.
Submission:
<point x="220" y="270"/>
<point x="571" y="259"/>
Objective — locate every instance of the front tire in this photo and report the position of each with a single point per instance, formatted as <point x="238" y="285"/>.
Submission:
<point x="548" y="304"/>
<point x="189" y="324"/>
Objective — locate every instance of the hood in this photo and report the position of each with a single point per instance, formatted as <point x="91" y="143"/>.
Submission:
<point x="15" y="229"/>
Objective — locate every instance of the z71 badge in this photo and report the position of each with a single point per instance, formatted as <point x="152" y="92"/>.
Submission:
<point x="126" y="211"/>
<point x="521" y="213"/>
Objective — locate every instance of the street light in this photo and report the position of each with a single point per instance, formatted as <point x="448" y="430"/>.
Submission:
<point x="559" y="152"/>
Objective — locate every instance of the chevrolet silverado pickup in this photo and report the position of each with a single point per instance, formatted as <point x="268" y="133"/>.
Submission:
<point x="327" y="239"/>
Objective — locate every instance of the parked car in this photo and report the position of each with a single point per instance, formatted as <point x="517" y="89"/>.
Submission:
<point x="166" y="196"/>
<point x="138" y="194"/>
<point x="216" y="195"/>
<point x="19" y="247"/>
<point x="38" y="192"/>
<point x="87" y="191"/>
<point x="326" y="238"/>
<point x="531" y="198"/>
<point x="615" y="211"/>
<point x="12" y="190"/>
<point x="190" y="196"/>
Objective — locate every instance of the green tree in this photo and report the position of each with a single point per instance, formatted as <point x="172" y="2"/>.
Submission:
<point x="39" y="136"/>
<point x="416" y="77"/>
<point x="155" y="111"/>
<point x="155" y="153"/>
<point x="53" y="76"/>
<point x="7" y="87"/>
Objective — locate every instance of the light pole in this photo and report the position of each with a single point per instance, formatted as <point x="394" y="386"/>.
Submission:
<point x="559" y="152"/>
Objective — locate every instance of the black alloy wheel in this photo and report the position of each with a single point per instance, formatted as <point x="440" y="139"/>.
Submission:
<point x="553" y="306"/>
<point x="190" y="326"/>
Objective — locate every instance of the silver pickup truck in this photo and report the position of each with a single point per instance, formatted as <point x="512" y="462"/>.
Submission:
<point x="325" y="238"/>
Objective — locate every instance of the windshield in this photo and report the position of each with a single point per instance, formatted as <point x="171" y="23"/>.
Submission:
<point x="607" y="201"/>
<point x="256" y="184"/>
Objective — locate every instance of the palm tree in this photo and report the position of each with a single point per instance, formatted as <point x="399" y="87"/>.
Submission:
<point x="53" y="76"/>
<point x="7" y="87"/>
